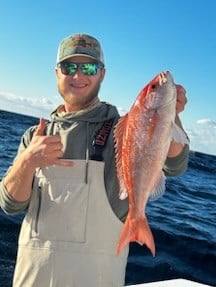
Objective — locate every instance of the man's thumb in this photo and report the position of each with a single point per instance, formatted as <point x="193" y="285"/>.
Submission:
<point x="40" y="128"/>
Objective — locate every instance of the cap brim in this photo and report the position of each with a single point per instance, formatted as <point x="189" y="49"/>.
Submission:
<point x="78" y="55"/>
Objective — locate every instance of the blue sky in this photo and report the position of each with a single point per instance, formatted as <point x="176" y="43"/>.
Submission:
<point x="140" y="38"/>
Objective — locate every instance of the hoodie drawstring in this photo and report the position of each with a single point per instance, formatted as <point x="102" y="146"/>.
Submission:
<point x="87" y="154"/>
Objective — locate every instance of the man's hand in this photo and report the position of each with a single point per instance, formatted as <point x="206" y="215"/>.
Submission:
<point x="45" y="150"/>
<point x="181" y="99"/>
<point x="42" y="151"/>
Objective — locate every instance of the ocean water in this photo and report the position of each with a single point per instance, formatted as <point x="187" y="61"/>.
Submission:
<point x="183" y="221"/>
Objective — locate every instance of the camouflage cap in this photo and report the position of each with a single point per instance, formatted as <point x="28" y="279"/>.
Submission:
<point x="80" y="45"/>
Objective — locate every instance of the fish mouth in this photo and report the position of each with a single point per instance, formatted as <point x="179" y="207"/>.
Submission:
<point x="162" y="78"/>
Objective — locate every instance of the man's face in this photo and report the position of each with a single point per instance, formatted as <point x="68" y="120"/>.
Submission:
<point x="79" y="90"/>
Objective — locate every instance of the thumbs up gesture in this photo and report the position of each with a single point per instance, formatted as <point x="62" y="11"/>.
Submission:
<point x="46" y="150"/>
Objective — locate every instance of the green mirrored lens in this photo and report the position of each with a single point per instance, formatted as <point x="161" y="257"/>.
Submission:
<point x="72" y="68"/>
<point x="69" y="68"/>
<point x="89" y="69"/>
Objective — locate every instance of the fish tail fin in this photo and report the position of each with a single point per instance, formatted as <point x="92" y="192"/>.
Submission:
<point x="126" y="235"/>
<point x="144" y="235"/>
<point x="138" y="231"/>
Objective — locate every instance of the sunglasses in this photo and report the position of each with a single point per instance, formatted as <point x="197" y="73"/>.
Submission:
<point x="88" y="69"/>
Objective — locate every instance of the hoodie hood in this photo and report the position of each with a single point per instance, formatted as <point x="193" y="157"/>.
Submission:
<point x="78" y="130"/>
<point x="100" y="112"/>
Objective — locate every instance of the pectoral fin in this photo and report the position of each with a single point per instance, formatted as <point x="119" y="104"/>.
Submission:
<point x="159" y="188"/>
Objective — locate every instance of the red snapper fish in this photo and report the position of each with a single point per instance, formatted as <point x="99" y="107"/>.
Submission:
<point x="142" y="139"/>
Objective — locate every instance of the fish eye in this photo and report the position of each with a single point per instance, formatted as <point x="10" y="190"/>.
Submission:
<point x="153" y="86"/>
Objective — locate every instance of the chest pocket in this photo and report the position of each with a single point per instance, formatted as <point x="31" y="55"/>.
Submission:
<point x="61" y="210"/>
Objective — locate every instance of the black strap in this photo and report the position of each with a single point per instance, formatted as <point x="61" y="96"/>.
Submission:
<point x="100" y="140"/>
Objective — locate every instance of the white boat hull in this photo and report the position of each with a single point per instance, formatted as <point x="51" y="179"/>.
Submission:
<point x="171" y="283"/>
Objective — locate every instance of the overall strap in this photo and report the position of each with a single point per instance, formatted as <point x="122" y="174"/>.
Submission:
<point x="100" y="140"/>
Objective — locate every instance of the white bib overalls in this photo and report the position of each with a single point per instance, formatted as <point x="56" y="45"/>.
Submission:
<point x="69" y="235"/>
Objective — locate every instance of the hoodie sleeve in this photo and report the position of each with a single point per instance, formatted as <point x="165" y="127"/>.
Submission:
<point x="7" y="202"/>
<point x="177" y="165"/>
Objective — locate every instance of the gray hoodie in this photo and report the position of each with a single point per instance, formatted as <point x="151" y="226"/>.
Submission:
<point x="78" y="132"/>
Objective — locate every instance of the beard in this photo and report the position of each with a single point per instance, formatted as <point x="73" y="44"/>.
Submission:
<point x="80" y="101"/>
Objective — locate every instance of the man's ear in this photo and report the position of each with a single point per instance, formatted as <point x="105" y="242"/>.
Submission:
<point x="57" y="71"/>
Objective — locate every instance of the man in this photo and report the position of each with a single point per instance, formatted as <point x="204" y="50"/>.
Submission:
<point x="67" y="183"/>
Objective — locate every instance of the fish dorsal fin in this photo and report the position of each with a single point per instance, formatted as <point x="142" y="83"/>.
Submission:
<point x="118" y="138"/>
<point x="159" y="188"/>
